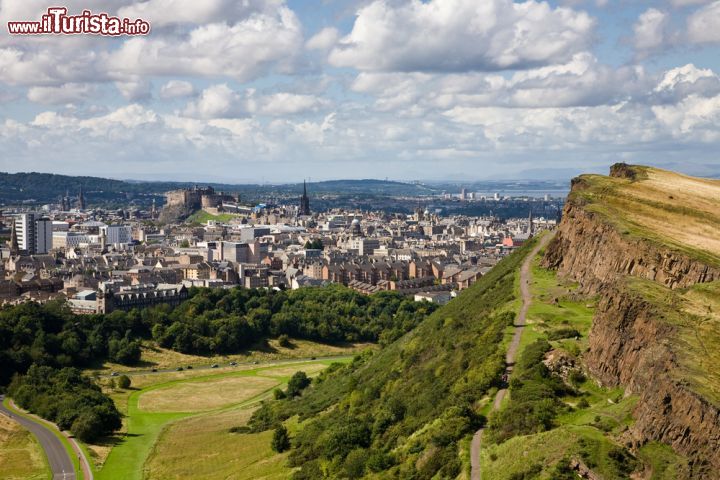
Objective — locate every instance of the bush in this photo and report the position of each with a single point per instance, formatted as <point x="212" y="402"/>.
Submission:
<point x="583" y="403"/>
<point x="123" y="382"/>
<point x="284" y="341"/>
<point x="279" y="394"/>
<point x="242" y="429"/>
<point x="354" y="465"/>
<point x="564" y="332"/>
<point x="298" y="382"/>
<point x="281" y="440"/>
<point x="577" y="377"/>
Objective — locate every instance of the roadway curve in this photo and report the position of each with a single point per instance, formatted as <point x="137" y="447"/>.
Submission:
<point x="526" y="297"/>
<point x="60" y="463"/>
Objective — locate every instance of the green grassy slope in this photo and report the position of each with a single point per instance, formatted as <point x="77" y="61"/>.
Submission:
<point x="407" y="409"/>
<point x="586" y="423"/>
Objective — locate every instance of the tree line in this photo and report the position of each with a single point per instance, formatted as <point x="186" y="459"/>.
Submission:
<point x="211" y="321"/>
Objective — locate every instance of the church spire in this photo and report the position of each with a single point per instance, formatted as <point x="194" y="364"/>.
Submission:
<point x="304" y="201"/>
<point x="531" y="226"/>
<point x="13" y="243"/>
<point x="81" y="199"/>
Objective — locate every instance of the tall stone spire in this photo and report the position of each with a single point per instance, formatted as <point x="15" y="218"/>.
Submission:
<point x="13" y="243"/>
<point x="81" y="199"/>
<point x="304" y="201"/>
<point x="531" y="227"/>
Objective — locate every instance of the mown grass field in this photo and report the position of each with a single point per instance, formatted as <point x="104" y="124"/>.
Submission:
<point x="216" y="452"/>
<point x="20" y="454"/>
<point x="154" y="356"/>
<point x="158" y="404"/>
<point x="203" y="394"/>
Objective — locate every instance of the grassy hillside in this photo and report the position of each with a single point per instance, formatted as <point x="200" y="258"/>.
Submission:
<point x="548" y="423"/>
<point x="407" y="410"/>
<point x="671" y="209"/>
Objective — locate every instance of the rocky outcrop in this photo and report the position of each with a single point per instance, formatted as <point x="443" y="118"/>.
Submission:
<point x="591" y="251"/>
<point x="630" y="345"/>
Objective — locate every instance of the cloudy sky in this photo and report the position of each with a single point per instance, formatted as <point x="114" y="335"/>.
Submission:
<point x="273" y="90"/>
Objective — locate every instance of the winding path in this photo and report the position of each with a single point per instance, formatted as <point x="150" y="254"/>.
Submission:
<point x="526" y="298"/>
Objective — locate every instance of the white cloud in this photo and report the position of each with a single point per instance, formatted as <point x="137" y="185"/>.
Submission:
<point x="217" y="101"/>
<point x="135" y="88"/>
<point x="176" y="89"/>
<point x="582" y="81"/>
<point x="650" y="30"/>
<point x="461" y="35"/>
<point x="703" y="26"/>
<point x="252" y="47"/>
<point x="685" y="3"/>
<point x="161" y="13"/>
<point x="289" y="104"/>
<point x="325" y="39"/>
<point x="689" y="79"/>
<point x="68" y="93"/>
<point x="220" y="101"/>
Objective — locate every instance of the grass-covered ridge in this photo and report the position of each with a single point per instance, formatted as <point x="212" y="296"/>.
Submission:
<point x="405" y="410"/>
<point x="670" y="209"/>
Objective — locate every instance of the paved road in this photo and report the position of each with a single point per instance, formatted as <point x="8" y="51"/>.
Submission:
<point x="60" y="463"/>
<point x="525" y="278"/>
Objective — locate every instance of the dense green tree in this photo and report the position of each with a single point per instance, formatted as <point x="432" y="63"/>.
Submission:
<point x="123" y="382"/>
<point x="280" y="440"/>
<point x="297" y="383"/>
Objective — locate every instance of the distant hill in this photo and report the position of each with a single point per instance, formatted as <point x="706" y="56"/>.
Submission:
<point x="44" y="188"/>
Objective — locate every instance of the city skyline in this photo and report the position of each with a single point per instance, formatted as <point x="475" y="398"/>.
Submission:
<point x="272" y="91"/>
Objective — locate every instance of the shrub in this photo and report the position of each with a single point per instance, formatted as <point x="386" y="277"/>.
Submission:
<point x="298" y="382"/>
<point x="123" y="382"/>
<point x="564" y="332"/>
<point x="280" y="440"/>
<point x="284" y="341"/>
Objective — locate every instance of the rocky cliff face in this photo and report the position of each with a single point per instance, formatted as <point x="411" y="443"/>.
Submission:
<point x="629" y="343"/>
<point x="590" y="251"/>
<point x="629" y="347"/>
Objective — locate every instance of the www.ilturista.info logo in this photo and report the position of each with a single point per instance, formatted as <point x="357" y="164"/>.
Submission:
<point x="57" y="22"/>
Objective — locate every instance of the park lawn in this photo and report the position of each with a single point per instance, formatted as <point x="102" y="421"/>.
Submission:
<point x="142" y="429"/>
<point x="204" y="394"/>
<point x="154" y="356"/>
<point x="20" y="454"/>
<point x="217" y="453"/>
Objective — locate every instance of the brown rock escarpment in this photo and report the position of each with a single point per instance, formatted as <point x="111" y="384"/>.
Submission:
<point x="630" y="345"/>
